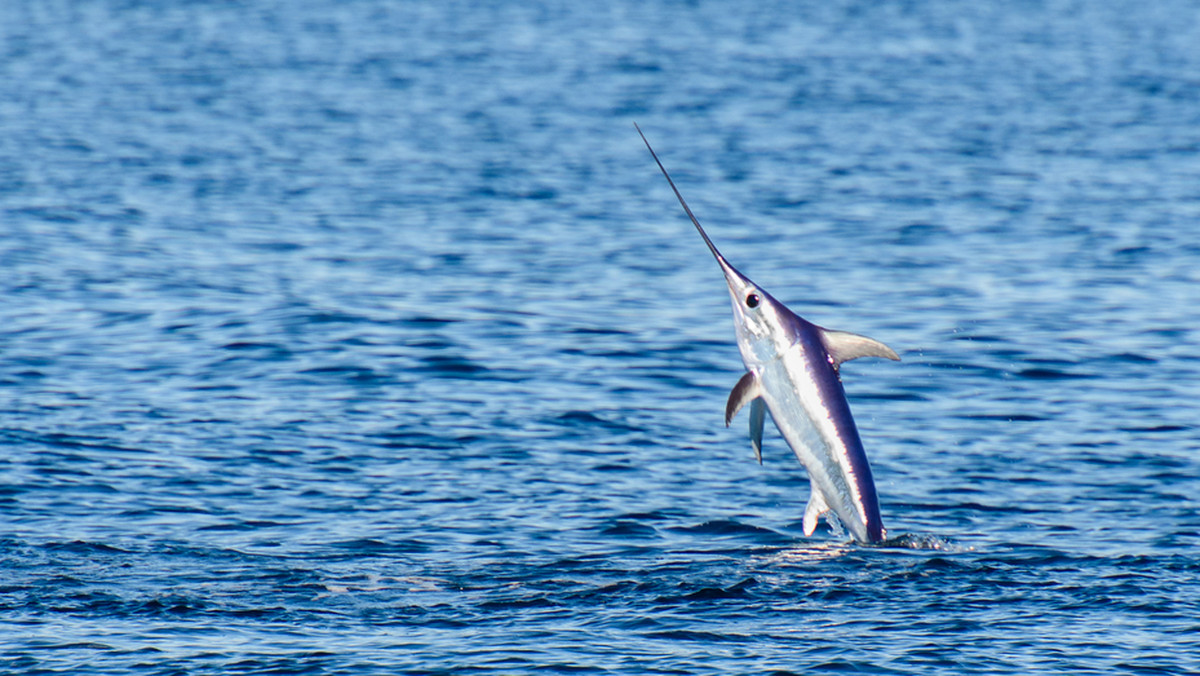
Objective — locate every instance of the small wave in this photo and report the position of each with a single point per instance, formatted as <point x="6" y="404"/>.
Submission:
<point x="1042" y="373"/>
<point x="629" y="529"/>
<point x="452" y="367"/>
<point x="615" y="467"/>
<point x="267" y="350"/>
<point x="425" y="320"/>
<point x="657" y="515"/>
<point x="519" y="603"/>
<point x="923" y="541"/>
<point x="599" y="331"/>
<point x="1007" y="417"/>
<point x="420" y="440"/>
<point x="81" y="547"/>
<point x="357" y="374"/>
<point x="734" y="591"/>
<point x="698" y="636"/>
<point x="587" y="418"/>
<point x="727" y="527"/>
<point x="374" y="547"/>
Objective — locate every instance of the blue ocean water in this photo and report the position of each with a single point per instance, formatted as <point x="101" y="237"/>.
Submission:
<point x="365" y="337"/>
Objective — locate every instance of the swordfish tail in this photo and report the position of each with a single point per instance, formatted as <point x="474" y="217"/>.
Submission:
<point x="808" y="405"/>
<point x="821" y="347"/>
<point x="858" y="469"/>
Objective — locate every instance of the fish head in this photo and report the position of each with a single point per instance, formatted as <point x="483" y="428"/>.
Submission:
<point x="765" y="327"/>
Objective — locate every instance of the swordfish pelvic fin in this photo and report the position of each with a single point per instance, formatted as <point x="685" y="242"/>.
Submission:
<point x="843" y="346"/>
<point x="758" y="413"/>
<point x="816" y="507"/>
<point x="748" y="389"/>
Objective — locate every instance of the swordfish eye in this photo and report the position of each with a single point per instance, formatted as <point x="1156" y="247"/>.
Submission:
<point x="752" y="300"/>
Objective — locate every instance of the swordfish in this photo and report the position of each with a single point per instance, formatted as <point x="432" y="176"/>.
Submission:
<point x="792" y="371"/>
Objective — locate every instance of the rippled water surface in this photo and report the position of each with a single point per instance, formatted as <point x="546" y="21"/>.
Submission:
<point x="365" y="337"/>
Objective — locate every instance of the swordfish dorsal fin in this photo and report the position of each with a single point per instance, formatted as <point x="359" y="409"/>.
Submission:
<point x="843" y="346"/>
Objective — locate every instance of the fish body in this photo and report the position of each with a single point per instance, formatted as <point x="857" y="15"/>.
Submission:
<point x="792" y="372"/>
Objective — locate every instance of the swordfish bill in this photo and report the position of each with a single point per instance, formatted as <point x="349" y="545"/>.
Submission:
<point x="792" y="372"/>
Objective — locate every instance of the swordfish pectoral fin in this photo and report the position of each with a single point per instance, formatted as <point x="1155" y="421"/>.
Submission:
<point x="748" y="389"/>
<point x="843" y="346"/>
<point x="816" y="507"/>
